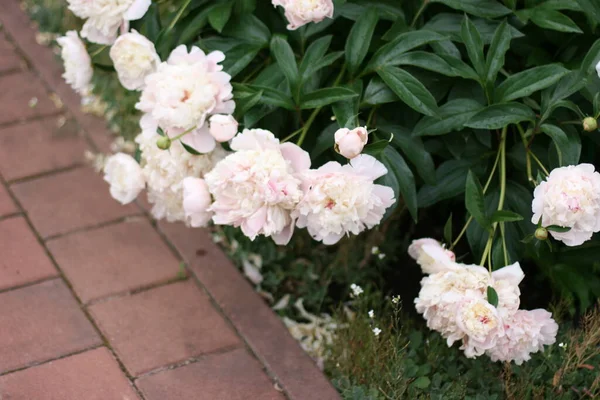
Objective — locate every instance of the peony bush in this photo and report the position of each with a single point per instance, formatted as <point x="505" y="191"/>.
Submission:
<point x="472" y="122"/>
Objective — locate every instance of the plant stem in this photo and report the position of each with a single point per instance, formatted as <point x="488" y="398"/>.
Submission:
<point x="537" y="160"/>
<point x="183" y="134"/>
<point x="418" y="14"/>
<point x="291" y="135"/>
<point x="98" y="51"/>
<point x="179" y="14"/>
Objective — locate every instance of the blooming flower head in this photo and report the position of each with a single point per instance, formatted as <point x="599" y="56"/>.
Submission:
<point x="371" y="314"/>
<point x="256" y="187"/>
<point x="134" y="57"/>
<point x="125" y="177"/>
<point x="570" y="197"/>
<point x="526" y="332"/>
<point x="196" y="201"/>
<point x="431" y="255"/>
<point x="350" y="143"/>
<point x="77" y="62"/>
<point x="343" y="199"/>
<point x="480" y="322"/>
<point x="376" y="331"/>
<point x="301" y="12"/>
<point x="356" y="290"/>
<point x="184" y="91"/>
<point x="104" y="17"/>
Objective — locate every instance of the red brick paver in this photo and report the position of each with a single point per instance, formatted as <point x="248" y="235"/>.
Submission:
<point x="92" y="305"/>
<point x="93" y="375"/>
<point x="230" y="376"/>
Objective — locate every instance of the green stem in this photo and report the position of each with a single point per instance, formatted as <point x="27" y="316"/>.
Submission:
<point x="183" y="134"/>
<point x="371" y="114"/>
<point x="291" y="135"/>
<point x="537" y="160"/>
<point x="179" y="14"/>
<point x="100" y="50"/>
<point x="418" y="14"/>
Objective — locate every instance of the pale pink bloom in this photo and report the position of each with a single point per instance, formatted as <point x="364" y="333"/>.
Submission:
<point x="340" y="200"/>
<point x="184" y="91"/>
<point x="569" y="197"/>
<point x="350" y="143"/>
<point x="125" y="177"/>
<point x="479" y="322"/>
<point x="223" y="127"/>
<point x="301" y="12"/>
<point x="431" y="255"/>
<point x="105" y="17"/>
<point x="256" y="188"/>
<point x="506" y="282"/>
<point x="526" y="332"/>
<point x="77" y="62"/>
<point x="134" y="57"/>
<point x="196" y="202"/>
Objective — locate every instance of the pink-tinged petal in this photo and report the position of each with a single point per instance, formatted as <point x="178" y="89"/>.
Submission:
<point x="178" y="55"/>
<point x="196" y="201"/>
<point x="332" y="238"/>
<point x="299" y="159"/>
<point x="512" y="273"/>
<point x="254" y="139"/>
<point x="92" y="34"/>
<point x="282" y="238"/>
<point x="368" y="166"/>
<point x="227" y="107"/>
<point x="386" y="194"/>
<point x="200" y="140"/>
<point x="137" y="10"/>
<point x="253" y="225"/>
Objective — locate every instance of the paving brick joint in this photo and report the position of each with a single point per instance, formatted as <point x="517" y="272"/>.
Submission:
<point x="92" y="302"/>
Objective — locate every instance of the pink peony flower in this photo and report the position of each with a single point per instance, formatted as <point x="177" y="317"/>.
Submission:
<point x="569" y="197"/>
<point x="257" y="188"/>
<point x="301" y="12"/>
<point x="184" y="91"/>
<point x="196" y="202"/>
<point x="431" y="255"/>
<point x="350" y="143"/>
<point x="339" y="200"/>
<point x="223" y="127"/>
<point x="526" y="332"/>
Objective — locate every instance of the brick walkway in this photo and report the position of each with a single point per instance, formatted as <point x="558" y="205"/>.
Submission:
<point x="93" y="304"/>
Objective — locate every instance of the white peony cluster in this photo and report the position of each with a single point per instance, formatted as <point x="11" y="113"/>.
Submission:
<point x="184" y="91"/>
<point x="453" y="301"/>
<point x="134" y="57"/>
<point x="78" y="64"/>
<point x="302" y="12"/>
<point x="570" y="197"/>
<point x="105" y="17"/>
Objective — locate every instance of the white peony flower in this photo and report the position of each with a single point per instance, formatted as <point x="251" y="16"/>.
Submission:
<point x="134" y="58"/>
<point x="350" y="143"/>
<point x="301" y="12"/>
<point x="431" y="255"/>
<point x="184" y="91"/>
<point x="223" y="127"/>
<point x="105" y="17"/>
<point x="125" y="177"/>
<point x="339" y="200"/>
<point x="77" y="62"/>
<point x="255" y="188"/>
<point x="527" y="332"/>
<point x="165" y="170"/>
<point x="196" y="201"/>
<point x="569" y="197"/>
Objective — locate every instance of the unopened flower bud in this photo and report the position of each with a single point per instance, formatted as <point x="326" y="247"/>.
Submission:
<point x="163" y="143"/>
<point x="590" y="124"/>
<point x="223" y="127"/>
<point x="541" y="233"/>
<point x="350" y="143"/>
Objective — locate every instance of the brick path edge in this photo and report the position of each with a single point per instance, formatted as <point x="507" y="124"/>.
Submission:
<point x="256" y="323"/>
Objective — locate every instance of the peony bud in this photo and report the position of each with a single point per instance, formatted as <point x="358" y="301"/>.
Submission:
<point x="163" y="143"/>
<point x="125" y="177"/>
<point x="350" y="143"/>
<point x="590" y="124"/>
<point x="541" y="234"/>
<point x="223" y="127"/>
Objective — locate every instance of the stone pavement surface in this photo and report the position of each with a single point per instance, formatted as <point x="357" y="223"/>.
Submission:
<point x="94" y="304"/>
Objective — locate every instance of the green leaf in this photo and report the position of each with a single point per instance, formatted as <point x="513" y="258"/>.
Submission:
<point x="421" y="382"/>
<point x="190" y="149"/>
<point x="323" y="97"/>
<point x="474" y="200"/>
<point x="378" y="92"/>
<point x="591" y="59"/>
<point x="194" y="26"/>
<point x="552" y="19"/>
<point x="453" y="117"/>
<point x="529" y="81"/>
<point x="492" y="296"/>
<point x="151" y="24"/>
<point x="219" y="15"/>
<point x="249" y="29"/>
<point x="479" y="8"/>
<point x="450" y="25"/>
<point x="505" y="216"/>
<point x="558" y="228"/>
<point x="238" y="58"/>
<point x="448" y="230"/>
<point x="388" y="54"/>
<point x="460" y="67"/>
<point x="498" y="116"/>
<point x="591" y="9"/>
<point x="314" y="53"/>
<point x="472" y="40"/>
<point x="322" y="63"/>
<point x="428" y="61"/>
<point x="495" y="55"/>
<point x="359" y="39"/>
<point x="400" y="178"/>
<point x="245" y="103"/>
<point x="325" y="140"/>
<point x="376" y="148"/>
<point x="284" y="55"/>
<point x="274" y="97"/>
<point x="450" y="182"/>
<point x="346" y="111"/>
<point x="568" y="153"/>
<point x="410" y="90"/>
